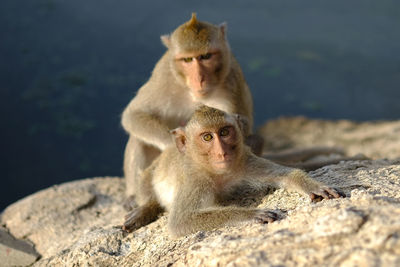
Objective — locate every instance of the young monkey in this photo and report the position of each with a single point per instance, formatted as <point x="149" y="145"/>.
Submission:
<point x="210" y="159"/>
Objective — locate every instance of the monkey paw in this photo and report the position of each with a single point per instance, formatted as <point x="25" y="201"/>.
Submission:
<point x="325" y="192"/>
<point x="266" y="216"/>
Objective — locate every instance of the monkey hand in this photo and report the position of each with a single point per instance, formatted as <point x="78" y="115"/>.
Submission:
<point x="266" y="216"/>
<point x="325" y="192"/>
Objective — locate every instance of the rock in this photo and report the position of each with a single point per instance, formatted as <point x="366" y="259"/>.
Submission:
<point x="15" y="252"/>
<point x="55" y="218"/>
<point x="376" y="140"/>
<point x="78" y="223"/>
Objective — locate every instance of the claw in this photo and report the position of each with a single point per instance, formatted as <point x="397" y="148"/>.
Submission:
<point x="315" y="197"/>
<point x="266" y="216"/>
<point x="326" y="193"/>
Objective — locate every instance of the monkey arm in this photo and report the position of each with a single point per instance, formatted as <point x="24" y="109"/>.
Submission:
<point x="211" y="218"/>
<point x="194" y="210"/>
<point x="146" y="127"/>
<point x="262" y="171"/>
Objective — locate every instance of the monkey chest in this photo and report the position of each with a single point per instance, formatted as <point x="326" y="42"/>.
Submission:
<point x="165" y="192"/>
<point x="225" y="184"/>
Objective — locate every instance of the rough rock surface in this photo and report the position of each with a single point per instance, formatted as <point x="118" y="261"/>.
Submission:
<point x="379" y="139"/>
<point x="76" y="223"/>
<point x="15" y="252"/>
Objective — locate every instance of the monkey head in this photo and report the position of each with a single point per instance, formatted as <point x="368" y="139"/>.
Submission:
<point x="212" y="139"/>
<point x="199" y="56"/>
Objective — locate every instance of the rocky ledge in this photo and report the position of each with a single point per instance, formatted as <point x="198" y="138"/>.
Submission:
<point x="77" y="223"/>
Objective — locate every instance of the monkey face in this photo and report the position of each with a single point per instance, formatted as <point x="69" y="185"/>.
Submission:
<point x="217" y="148"/>
<point x="200" y="71"/>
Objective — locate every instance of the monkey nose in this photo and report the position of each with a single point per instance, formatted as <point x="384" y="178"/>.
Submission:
<point x="223" y="155"/>
<point x="201" y="79"/>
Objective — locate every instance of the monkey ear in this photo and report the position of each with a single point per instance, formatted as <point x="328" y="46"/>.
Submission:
<point x="243" y="123"/>
<point x="180" y="138"/>
<point x="223" y="28"/>
<point x="166" y="40"/>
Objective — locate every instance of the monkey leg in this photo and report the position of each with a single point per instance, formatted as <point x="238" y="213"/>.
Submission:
<point x="141" y="216"/>
<point x="256" y="143"/>
<point x="138" y="156"/>
<point x="261" y="171"/>
<point x="194" y="210"/>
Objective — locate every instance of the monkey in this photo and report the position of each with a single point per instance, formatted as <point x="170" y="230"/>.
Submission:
<point x="209" y="159"/>
<point x="197" y="68"/>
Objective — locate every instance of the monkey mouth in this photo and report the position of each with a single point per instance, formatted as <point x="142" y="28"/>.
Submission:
<point x="223" y="163"/>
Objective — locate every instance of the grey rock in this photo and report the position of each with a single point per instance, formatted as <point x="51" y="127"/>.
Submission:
<point x="15" y="252"/>
<point x="78" y="223"/>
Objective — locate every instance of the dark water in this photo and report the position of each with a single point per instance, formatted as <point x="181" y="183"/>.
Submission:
<point x="69" y="67"/>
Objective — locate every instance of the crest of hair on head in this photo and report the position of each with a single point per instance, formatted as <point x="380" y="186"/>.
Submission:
<point x="193" y="21"/>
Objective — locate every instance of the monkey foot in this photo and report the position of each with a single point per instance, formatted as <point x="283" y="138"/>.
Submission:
<point x="266" y="216"/>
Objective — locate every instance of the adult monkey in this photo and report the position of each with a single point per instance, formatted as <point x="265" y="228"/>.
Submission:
<point x="197" y="68"/>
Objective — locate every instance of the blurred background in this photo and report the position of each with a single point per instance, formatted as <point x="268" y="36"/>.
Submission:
<point x="69" y="67"/>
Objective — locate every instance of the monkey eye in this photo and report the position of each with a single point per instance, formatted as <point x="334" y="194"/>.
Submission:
<point x="187" y="59"/>
<point x="206" y="56"/>
<point x="224" y="132"/>
<point x="207" y="137"/>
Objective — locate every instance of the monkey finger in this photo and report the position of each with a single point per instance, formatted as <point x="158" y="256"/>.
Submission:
<point x="266" y="216"/>
<point x="333" y="193"/>
<point x="327" y="194"/>
<point x="336" y="193"/>
<point x="322" y="193"/>
<point x="315" y="198"/>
